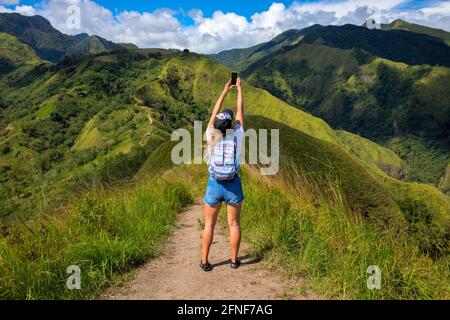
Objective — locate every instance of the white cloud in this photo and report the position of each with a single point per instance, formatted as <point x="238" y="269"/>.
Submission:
<point x="441" y="8"/>
<point x="343" y="8"/>
<point x="3" y="9"/>
<point x="9" y="2"/>
<point x="162" y="28"/>
<point x="25" y="10"/>
<point x="5" y="6"/>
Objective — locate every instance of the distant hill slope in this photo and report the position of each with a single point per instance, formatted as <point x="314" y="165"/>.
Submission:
<point x="49" y="43"/>
<point x="240" y="59"/>
<point x="404" y="25"/>
<point x="15" y="54"/>
<point x="376" y="98"/>
<point x="393" y="43"/>
<point x="375" y="83"/>
<point x="397" y="45"/>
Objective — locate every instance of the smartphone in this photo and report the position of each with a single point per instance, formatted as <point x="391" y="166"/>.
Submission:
<point x="234" y="77"/>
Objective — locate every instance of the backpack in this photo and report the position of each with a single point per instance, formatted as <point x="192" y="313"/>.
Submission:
<point x="223" y="163"/>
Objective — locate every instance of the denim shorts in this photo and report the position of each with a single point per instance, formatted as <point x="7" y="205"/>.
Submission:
<point x="229" y="191"/>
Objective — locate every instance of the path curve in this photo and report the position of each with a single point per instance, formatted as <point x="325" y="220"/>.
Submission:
<point x="175" y="273"/>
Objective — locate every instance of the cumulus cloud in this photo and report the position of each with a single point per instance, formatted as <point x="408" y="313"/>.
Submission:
<point x="24" y="10"/>
<point x="224" y="30"/>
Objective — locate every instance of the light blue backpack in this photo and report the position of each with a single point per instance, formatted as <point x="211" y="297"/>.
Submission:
<point x="223" y="164"/>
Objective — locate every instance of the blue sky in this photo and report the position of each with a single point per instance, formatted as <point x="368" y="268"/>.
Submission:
<point x="244" y="7"/>
<point x="209" y="26"/>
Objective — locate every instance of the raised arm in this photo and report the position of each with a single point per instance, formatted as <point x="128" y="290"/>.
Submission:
<point x="240" y="104"/>
<point x="219" y="103"/>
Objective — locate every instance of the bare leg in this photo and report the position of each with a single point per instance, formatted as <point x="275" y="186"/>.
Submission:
<point x="211" y="214"/>
<point x="234" y="223"/>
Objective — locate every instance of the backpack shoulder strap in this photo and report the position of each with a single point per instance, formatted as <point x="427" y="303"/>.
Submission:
<point x="235" y="151"/>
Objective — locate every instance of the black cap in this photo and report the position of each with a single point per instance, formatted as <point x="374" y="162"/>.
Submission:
<point x="230" y="112"/>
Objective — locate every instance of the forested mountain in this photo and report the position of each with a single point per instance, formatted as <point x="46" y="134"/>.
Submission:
<point x="391" y="86"/>
<point x="49" y="43"/>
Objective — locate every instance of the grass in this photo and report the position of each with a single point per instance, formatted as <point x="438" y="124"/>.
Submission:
<point x="303" y="222"/>
<point x="384" y="158"/>
<point x="296" y="221"/>
<point x="46" y="108"/>
<point x="427" y="164"/>
<point x="310" y="232"/>
<point x="371" y="68"/>
<point x="445" y="181"/>
<point x="106" y="234"/>
<point x="17" y="52"/>
<point x="421" y="210"/>
<point x="401" y="24"/>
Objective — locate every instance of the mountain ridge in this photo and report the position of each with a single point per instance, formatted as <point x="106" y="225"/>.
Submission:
<point x="49" y="43"/>
<point x="370" y="86"/>
<point x="408" y="26"/>
<point x="369" y="40"/>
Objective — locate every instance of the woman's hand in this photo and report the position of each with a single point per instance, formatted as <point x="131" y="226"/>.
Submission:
<point x="240" y="103"/>
<point x="228" y="87"/>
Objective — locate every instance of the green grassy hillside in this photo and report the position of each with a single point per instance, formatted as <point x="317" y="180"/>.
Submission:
<point x="199" y="79"/>
<point x="290" y="221"/>
<point x="397" y="45"/>
<point x="382" y="200"/>
<point x="15" y="54"/>
<point x="373" y="97"/>
<point x="378" y="99"/>
<point x="405" y="25"/>
<point x="73" y="124"/>
<point x="301" y="220"/>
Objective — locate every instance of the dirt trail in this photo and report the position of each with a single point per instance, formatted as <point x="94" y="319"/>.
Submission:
<point x="176" y="275"/>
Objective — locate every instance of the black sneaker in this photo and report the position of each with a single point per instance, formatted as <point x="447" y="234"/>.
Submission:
<point x="206" y="267"/>
<point x="235" y="265"/>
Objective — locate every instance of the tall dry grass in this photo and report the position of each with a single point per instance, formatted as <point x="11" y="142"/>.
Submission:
<point x="304" y="226"/>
